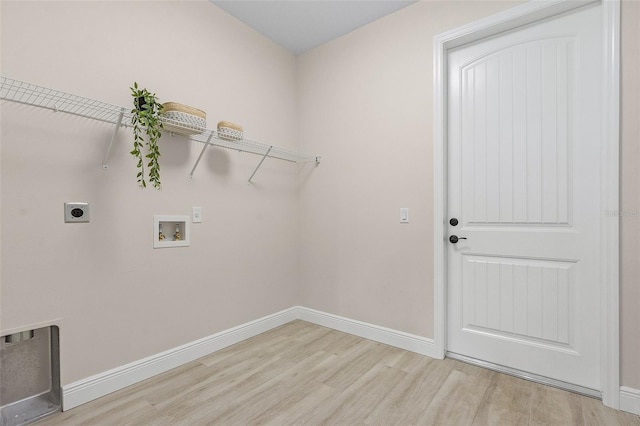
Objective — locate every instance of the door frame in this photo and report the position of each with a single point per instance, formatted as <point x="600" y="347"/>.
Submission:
<point x="515" y="17"/>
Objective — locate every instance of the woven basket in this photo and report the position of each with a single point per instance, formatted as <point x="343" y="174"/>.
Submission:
<point x="174" y="106"/>
<point x="230" y="131"/>
<point x="183" y="119"/>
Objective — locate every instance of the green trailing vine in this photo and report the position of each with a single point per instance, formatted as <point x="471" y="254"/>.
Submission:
<point x="146" y="121"/>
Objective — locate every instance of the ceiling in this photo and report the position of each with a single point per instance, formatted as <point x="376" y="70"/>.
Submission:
<point x="301" y="25"/>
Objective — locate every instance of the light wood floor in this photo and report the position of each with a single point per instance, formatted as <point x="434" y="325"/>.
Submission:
<point x="302" y="373"/>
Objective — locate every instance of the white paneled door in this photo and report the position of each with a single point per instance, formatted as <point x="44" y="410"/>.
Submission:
<point x="524" y="133"/>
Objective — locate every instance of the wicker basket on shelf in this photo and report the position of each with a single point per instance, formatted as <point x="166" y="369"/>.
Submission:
<point x="230" y="131"/>
<point x="183" y="119"/>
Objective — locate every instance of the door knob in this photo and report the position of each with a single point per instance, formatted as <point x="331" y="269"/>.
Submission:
<point x="454" y="238"/>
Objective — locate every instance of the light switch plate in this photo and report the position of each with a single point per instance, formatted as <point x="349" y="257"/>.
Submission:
<point x="196" y="214"/>
<point x="75" y="212"/>
<point x="404" y="215"/>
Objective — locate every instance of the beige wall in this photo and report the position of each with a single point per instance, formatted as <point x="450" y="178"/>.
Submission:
<point x="366" y="105"/>
<point x="363" y="101"/>
<point x="630" y="197"/>
<point x="118" y="299"/>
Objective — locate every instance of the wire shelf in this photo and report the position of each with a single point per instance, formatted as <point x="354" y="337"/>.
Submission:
<point x="30" y="94"/>
<point x="211" y="137"/>
<point x="42" y="97"/>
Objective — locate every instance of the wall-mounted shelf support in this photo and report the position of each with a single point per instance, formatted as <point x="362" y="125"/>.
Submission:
<point x="211" y="137"/>
<point x="105" y="165"/>
<point x="204" y="148"/>
<point x="264" y="157"/>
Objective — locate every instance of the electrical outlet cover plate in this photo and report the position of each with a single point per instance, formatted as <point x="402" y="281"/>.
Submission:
<point x="75" y="212"/>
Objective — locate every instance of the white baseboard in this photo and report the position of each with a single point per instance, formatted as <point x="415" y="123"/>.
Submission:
<point x="399" y="339"/>
<point x="630" y="400"/>
<point x="102" y="384"/>
<point x="94" y="387"/>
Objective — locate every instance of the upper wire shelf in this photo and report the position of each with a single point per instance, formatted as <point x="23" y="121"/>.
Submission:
<point x="30" y="94"/>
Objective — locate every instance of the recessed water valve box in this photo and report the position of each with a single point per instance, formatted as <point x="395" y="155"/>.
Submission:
<point x="171" y="231"/>
<point x="76" y="212"/>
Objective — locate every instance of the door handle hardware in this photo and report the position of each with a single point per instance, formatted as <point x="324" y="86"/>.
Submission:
<point x="453" y="221"/>
<point x="454" y="238"/>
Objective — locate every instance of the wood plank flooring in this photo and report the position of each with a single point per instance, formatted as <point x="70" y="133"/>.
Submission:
<point x="304" y="374"/>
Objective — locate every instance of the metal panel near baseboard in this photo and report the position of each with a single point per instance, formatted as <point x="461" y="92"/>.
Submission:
<point x="29" y="375"/>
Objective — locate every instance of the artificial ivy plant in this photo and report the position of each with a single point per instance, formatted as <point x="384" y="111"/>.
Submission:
<point x="145" y="118"/>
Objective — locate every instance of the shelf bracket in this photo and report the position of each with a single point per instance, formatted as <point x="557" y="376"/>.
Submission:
<point x="105" y="165"/>
<point x="264" y="157"/>
<point x="204" y="148"/>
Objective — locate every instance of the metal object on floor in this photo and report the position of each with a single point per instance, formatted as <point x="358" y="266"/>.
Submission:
<point x="29" y="376"/>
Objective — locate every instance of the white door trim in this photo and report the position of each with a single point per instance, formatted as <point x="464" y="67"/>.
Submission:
<point x="609" y="242"/>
